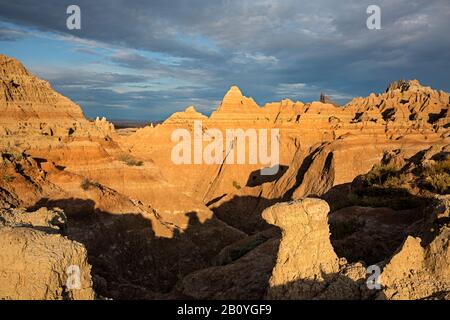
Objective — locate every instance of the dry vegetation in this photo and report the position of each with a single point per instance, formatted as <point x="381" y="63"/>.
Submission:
<point x="87" y="184"/>
<point x="8" y="178"/>
<point x="130" y="161"/>
<point x="398" y="188"/>
<point x="436" y="177"/>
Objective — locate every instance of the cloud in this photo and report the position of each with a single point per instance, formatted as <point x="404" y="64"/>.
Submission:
<point x="11" y="34"/>
<point x="305" y="92"/>
<point x="81" y="78"/>
<point x="180" y="51"/>
<point x="258" y="58"/>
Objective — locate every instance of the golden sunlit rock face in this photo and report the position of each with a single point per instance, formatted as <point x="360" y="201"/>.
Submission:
<point x="306" y="256"/>
<point x="357" y="208"/>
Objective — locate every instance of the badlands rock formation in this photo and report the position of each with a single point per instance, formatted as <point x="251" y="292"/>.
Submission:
<point x="305" y="256"/>
<point x="308" y="268"/>
<point x="29" y="105"/>
<point x="420" y="268"/>
<point x="37" y="260"/>
<point x="76" y="192"/>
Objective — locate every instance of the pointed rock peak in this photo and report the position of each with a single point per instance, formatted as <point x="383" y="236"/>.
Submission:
<point x="235" y="89"/>
<point x="190" y="109"/>
<point x="10" y="66"/>
<point x="235" y="102"/>
<point x="233" y="94"/>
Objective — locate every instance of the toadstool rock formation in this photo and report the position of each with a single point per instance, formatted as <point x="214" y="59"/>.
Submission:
<point x="305" y="257"/>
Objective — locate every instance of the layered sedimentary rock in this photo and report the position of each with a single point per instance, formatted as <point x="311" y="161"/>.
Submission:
<point x="35" y="115"/>
<point x="24" y="97"/>
<point x="236" y="106"/>
<point x="324" y="142"/>
<point x="156" y="229"/>
<point x="187" y="116"/>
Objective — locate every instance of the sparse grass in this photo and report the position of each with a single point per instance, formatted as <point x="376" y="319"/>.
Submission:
<point x="19" y="156"/>
<point x="7" y="178"/>
<point x="398" y="182"/>
<point x="383" y="184"/>
<point x="130" y="161"/>
<point x="397" y="199"/>
<point x="236" y="185"/>
<point x="388" y="186"/>
<point x="87" y="184"/>
<point x="379" y="175"/>
<point x="440" y="183"/>
<point x="387" y="179"/>
<point x="436" y="177"/>
<point x="394" y="202"/>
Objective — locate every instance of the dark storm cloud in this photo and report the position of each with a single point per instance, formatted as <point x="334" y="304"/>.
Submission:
<point x="267" y="47"/>
<point x="148" y="25"/>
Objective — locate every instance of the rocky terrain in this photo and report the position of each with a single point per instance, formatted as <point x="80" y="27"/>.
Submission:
<point x="360" y="187"/>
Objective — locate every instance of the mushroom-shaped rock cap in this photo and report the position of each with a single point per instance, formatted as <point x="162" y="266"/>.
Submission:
<point x="303" y="211"/>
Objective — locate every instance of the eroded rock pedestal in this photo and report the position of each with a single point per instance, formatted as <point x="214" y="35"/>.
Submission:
<point x="305" y="257"/>
<point x="308" y="268"/>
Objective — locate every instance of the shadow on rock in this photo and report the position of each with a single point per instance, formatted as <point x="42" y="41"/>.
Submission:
<point x="128" y="260"/>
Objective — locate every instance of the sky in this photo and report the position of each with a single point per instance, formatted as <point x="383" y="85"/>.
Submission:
<point x="144" y="60"/>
